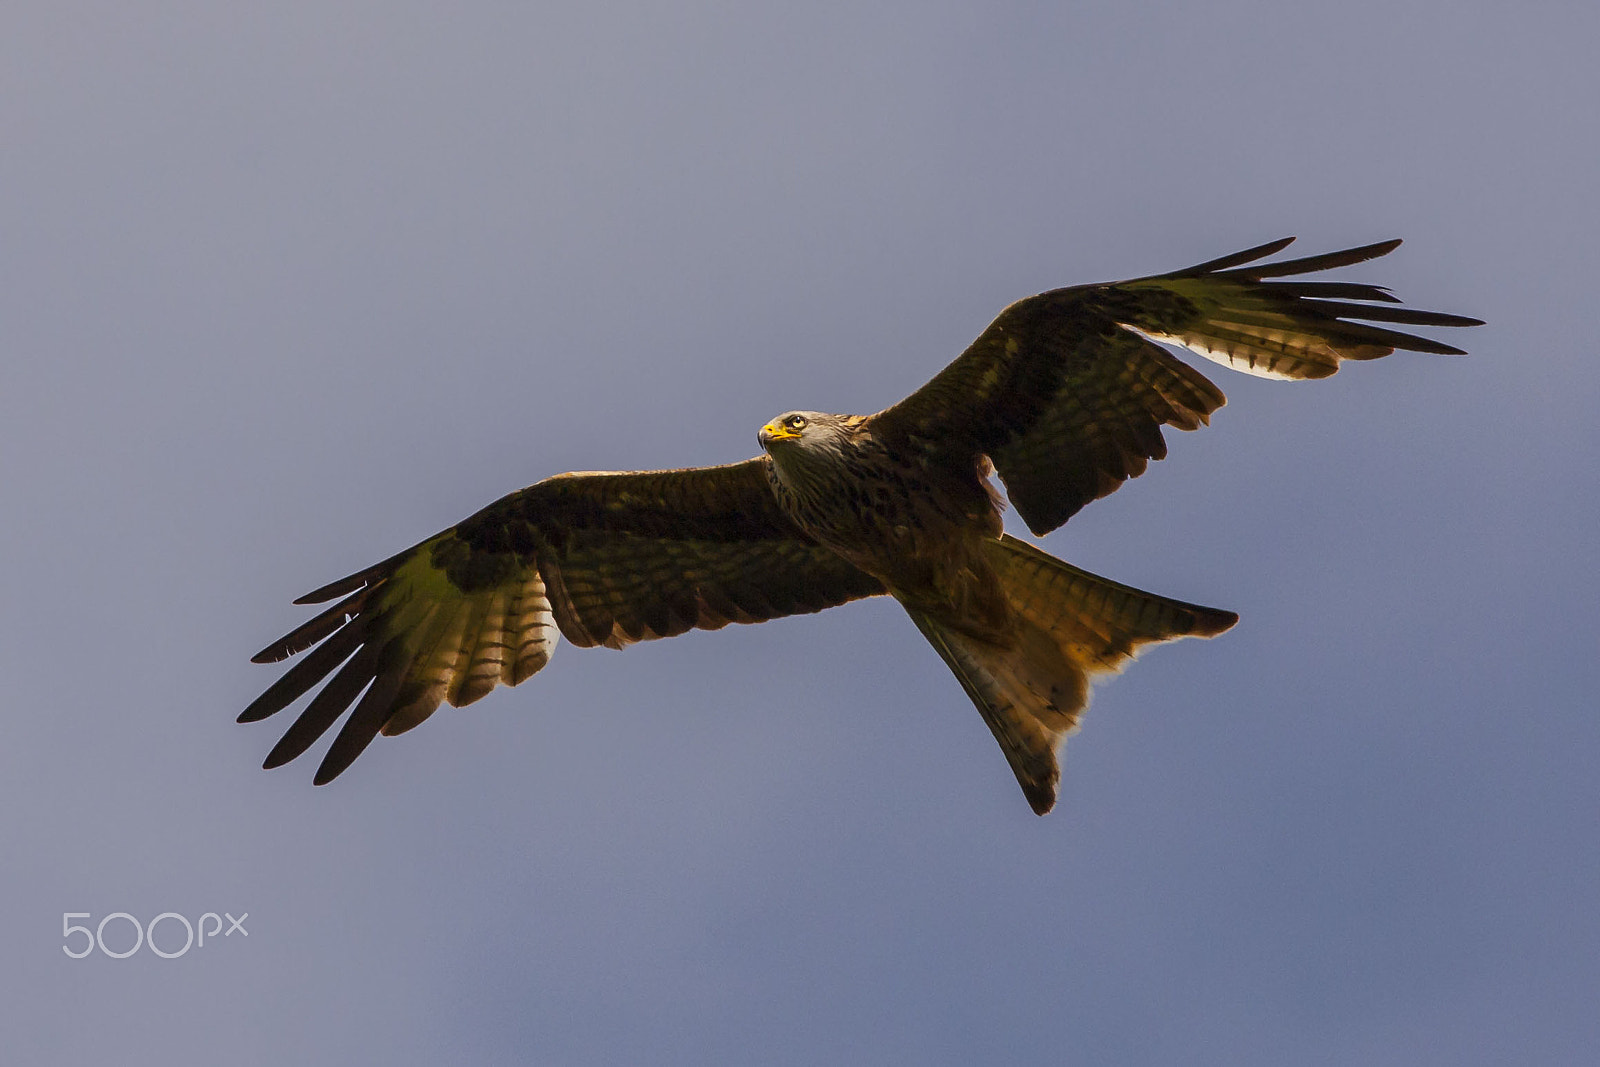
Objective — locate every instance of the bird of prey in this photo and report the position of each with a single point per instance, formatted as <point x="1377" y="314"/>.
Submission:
<point x="1063" y="397"/>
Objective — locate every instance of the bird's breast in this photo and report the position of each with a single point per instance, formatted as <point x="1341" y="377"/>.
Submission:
<point x="889" y="515"/>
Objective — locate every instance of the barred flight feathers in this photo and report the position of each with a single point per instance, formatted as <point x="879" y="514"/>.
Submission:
<point x="599" y="558"/>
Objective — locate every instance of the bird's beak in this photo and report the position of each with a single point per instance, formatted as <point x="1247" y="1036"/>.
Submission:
<point x="773" y="431"/>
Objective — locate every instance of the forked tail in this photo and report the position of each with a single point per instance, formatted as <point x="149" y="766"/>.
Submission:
<point x="1070" y="626"/>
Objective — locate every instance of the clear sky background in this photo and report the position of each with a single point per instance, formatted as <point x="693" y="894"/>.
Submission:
<point x="286" y="289"/>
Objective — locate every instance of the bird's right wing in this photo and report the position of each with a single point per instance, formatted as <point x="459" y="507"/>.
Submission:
<point x="600" y="558"/>
<point x="1067" y="394"/>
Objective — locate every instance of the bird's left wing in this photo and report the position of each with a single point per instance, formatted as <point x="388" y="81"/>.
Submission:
<point x="600" y="558"/>
<point x="1066" y="393"/>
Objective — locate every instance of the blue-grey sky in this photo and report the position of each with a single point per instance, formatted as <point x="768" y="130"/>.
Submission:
<point x="286" y="288"/>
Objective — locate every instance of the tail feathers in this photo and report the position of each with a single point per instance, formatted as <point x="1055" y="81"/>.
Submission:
<point x="1068" y="626"/>
<point x="1029" y="695"/>
<point x="1096" y="622"/>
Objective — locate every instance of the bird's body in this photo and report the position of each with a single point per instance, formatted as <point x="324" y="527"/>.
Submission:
<point x="917" y="527"/>
<point x="1063" y="397"/>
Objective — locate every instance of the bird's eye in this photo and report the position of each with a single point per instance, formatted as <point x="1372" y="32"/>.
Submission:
<point x="797" y="422"/>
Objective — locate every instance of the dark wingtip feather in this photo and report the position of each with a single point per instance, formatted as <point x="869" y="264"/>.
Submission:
<point x="1336" y="290"/>
<point x="330" y="769"/>
<point x="309" y="633"/>
<point x="289" y="746"/>
<point x="1235" y="259"/>
<point x="367" y="719"/>
<point x="326" y="707"/>
<point x="1435" y="348"/>
<point x="312" y="724"/>
<point x="349" y="584"/>
<point x="1326" y="261"/>
<point x="1380" y="313"/>
<point x="1385" y="341"/>
<point x="305" y="674"/>
<point x="275" y="759"/>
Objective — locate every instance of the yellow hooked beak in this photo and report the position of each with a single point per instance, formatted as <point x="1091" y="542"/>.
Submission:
<point x="775" y="431"/>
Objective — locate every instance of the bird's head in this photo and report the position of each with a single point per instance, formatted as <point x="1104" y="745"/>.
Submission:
<point x="799" y="440"/>
<point x="789" y="428"/>
<point x="806" y="431"/>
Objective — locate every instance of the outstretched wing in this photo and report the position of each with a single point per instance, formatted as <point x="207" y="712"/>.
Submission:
<point x="600" y="558"/>
<point x="1067" y="395"/>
